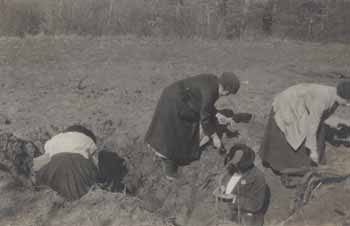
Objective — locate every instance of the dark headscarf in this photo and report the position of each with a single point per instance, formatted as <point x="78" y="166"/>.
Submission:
<point x="247" y="159"/>
<point x="230" y="82"/>
<point x="343" y="89"/>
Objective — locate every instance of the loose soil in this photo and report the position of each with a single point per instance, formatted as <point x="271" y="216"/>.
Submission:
<point x="112" y="84"/>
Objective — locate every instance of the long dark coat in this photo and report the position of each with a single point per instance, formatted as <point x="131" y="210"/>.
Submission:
<point x="182" y="107"/>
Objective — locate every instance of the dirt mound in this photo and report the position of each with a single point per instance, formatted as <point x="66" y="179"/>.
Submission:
<point x="98" y="207"/>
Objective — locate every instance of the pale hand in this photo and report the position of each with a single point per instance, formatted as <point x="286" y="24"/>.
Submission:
<point x="222" y="119"/>
<point x="314" y="156"/>
<point x="234" y="198"/>
<point x="204" y="141"/>
<point x="216" y="141"/>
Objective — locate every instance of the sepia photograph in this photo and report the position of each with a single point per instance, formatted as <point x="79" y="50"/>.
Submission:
<point x="174" y="112"/>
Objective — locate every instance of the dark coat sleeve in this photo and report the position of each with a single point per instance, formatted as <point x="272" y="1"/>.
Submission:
<point x="204" y="92"/>
<point x="208" y="111"/>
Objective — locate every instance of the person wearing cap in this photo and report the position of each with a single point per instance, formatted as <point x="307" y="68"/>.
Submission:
<point x="69" y="165"/>
<point x="242" y="195"/>
<point x="295" y="132"/>
<point x="183" y="107"/>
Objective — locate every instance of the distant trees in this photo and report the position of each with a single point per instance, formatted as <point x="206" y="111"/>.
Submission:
<point x="314" y="20"/>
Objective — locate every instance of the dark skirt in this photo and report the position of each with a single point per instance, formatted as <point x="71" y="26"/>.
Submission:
<point x="173" y="136"/>
<point x="277" y="154"/>
<point x="69" y="174"/>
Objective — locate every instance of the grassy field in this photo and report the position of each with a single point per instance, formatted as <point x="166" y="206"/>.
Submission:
<point x="111" y="84"/>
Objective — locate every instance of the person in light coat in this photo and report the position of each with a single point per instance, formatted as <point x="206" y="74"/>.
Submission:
<point x="295" y="132"/>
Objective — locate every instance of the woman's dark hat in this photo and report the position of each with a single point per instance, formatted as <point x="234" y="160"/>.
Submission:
<point x="246" y="161"/>
<point x="230" y="82"/>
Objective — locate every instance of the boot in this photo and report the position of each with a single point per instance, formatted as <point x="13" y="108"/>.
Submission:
<point x="169" y="169"/>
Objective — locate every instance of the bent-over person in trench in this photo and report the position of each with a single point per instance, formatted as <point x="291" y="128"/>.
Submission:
<point x="242" y="195"/>
<point x="295" y="133"/>
<point x="69" y="164"/>
<point x="186" y="104"/>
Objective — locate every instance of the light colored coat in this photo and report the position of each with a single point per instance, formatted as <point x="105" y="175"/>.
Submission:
<point x="69" y="142"/>
<point x="72" y="142"/>
<point x="298" y="112"/>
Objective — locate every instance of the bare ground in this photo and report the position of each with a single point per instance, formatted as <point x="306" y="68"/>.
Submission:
<point x="112" y="85"/>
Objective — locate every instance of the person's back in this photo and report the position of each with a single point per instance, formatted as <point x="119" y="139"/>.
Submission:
<point x="295" y="133"/>
<point x="72" y="142"/>
<point x="296" y="99"/>
<point x="83" y="130"/>
<point x="299" y="107"/>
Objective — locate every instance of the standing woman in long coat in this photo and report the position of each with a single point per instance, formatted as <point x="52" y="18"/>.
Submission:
<point x="295" y="133"/>
<point x="183" y="106"/>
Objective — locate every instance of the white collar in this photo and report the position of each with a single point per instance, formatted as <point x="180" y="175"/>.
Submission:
<point x="232" y="183"/>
